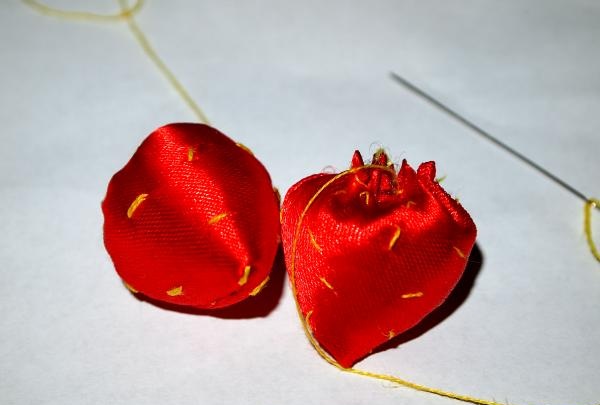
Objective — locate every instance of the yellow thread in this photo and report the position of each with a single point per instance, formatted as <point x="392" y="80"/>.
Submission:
<point x="394" y="238"/>
<point x="127" y="13"/>
<point x="304" y="320"/>
<point x="84" y="15"/>
<point x="217" y="218"/>
<point x="391" y="334"/>
<point x="339" y="192"/>
<point x="314" y="241"/>
<point x="413" y="295"/>
<point x="324" y="281"/>
<point x="244" y="279"/>
<point x="587" y="225"/>
<point x="130" y="288"/>
<point x="441" y="179"/>
<point x="410" y="203"/>
<point x="366" y="195"/>
<point x="135" y="204"/>
<point x="191" y="154"/>
<point x="162" y="67"/>
<point x="174" y="292"/>
<point x="259" y="287"/>
<point x="244" y="147"/>
<point x="459" y="252"/>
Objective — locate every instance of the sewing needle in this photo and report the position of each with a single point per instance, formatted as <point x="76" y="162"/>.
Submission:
<point x="480" y="131"/>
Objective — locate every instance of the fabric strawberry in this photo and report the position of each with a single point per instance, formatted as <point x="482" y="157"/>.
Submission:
<point x="370" y="252"/>
<point x="192" y="219"/>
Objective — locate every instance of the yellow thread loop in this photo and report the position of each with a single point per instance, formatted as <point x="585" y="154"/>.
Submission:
<point x="410" y="203"/>
<point x="135" y="204"/>
<point x="217" y="218"/>
<point x="391" y="334"/>
<point x="191" y="152"/>
<point x="395" y="237"/>
<point x="587" y="225"/>
<point x="174" y="292"/>
<point x="259" y="287"/>
<point x="244" y="279"/>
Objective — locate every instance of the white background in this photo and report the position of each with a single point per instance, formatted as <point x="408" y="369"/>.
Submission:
<point x="303" y="84"/>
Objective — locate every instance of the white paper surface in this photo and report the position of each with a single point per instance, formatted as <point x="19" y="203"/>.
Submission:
<point x="303" y="84"/>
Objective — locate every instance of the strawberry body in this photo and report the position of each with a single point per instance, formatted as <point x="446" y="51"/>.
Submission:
<point x="192" y="219"/>
<point x="371" y="252"/>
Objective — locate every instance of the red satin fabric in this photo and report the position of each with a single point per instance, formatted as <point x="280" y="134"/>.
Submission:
<point x="210" y="211"/>
<point x="357" y="288"/>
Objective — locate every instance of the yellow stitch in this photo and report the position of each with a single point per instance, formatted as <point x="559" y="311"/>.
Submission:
<point x="247" y="149"/>
<point x="259" y="287"/>
<point x="314" y="241"/>
<point x="308" y="315"/>
<point x="130" y="288"/>
<point x="417" y="294"/>
<point x="135" y="204"/>
<point x="174" y="292"/>
<point x="366" y="195"/>
<point x="394" y="238"/>
<point x="217" y="218"/>
<point x="244" y="279"/>
<point x="340" y="192"/>
<point x="441" y="179"/>
<point x="324" y="281"/>
<point x="191" y="154"/>
<point x="459" y="252"/>
<point x="410" y="203"/>
<point x="359" y="181"/>
<point x="398" y="191"/>
<point x="391" y="334"/>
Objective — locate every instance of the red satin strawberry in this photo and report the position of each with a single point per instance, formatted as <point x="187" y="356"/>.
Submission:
<point x="370" y="252"/>
<point x="192" y="219"/>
